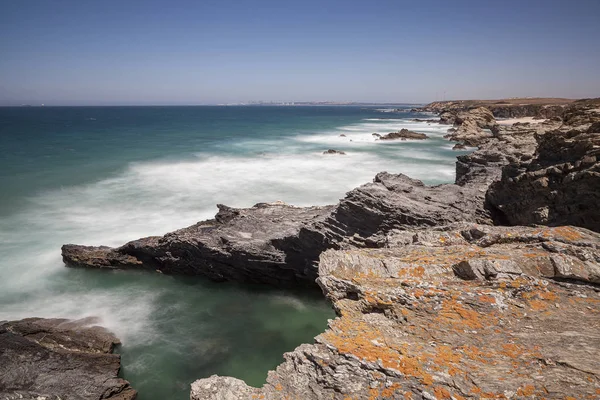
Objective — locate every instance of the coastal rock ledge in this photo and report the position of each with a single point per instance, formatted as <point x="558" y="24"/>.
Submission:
<point x="436" y="296"/>
<point x="53" y="359"/>
<point x="456" y="312"/>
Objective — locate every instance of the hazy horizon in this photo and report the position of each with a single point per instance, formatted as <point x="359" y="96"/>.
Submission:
<point x="191" y="53"/>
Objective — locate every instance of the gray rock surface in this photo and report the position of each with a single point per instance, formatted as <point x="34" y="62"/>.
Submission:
<point x="463" y="311"/>
<point x="559" y="186"/>
<point x="267" y="243"/>
<point x="403" y="134"/>
<point x="54" y="359"/>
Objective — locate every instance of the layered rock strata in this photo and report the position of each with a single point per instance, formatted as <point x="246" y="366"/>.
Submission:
<point x="54" y="359"/>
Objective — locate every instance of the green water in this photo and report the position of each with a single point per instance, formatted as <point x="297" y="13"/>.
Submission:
<point x="106" y="175"/>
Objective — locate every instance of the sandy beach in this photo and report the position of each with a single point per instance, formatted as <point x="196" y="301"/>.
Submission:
<point x="511" y="121"/>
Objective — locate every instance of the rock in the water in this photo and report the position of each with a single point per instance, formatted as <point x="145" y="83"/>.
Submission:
<point x="332" y="151"/>
<point x="463" y="311"/>
<point x="459" y="146"/>
<point x="57" y="359"/>
<point x="267" y="243"/>
<point x="403" y="134"/>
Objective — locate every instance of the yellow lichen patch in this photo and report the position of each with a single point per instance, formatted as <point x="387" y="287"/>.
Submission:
<point x="389" y="391"/>
<point x="445" y="357"/>
<point x="458" y="315"/>
<point x="441" y="393"/>
<point x="526" y="390"/>
<point x="373" y="298"/>
<point x="415" y="272"/>
<point x="352" y="336"/>
<point x="474" y="353"/>
<point x="567" y="233"/>
<point x="487" y="299"/>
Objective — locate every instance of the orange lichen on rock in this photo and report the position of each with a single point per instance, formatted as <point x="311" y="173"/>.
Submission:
<point x="567" y="233"/>
<point x="441" y="393"/>
<point x="351" y="336"/>
<point x="460" y="316"/>
<point x="526" y="390"/>
<point x="445" y="357"/>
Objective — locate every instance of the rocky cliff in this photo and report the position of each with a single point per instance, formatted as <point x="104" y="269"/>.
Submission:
<point x="434" y="299"/>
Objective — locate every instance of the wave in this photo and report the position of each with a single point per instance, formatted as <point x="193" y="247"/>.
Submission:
<point x="155" y="197"/>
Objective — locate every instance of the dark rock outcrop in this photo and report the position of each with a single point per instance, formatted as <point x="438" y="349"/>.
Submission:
<point x="403" y="134"/>
<point x="59" y="359"/>
<point x="249" y="245"/>
<point x="559" y="186"/>
<point x="332" y="151"/>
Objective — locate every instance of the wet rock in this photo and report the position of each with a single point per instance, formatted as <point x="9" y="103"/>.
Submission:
<point x="404" y="134"/>
<point x="267" y="243"/>
<point x="332" y="151"/>
<point x="59" y="359"/>
<point x="459" y="146"/>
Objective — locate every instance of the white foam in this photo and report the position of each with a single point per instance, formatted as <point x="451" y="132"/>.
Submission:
<point x="152" y="198"/>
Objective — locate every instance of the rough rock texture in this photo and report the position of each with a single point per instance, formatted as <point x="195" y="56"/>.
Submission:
<point x="433" y="300"/>
<point x="560" y="185"/>
<point x="462" y="311"/>
<point x="403" y="134"/>
<point x="263" y="244"/>
<point x="506" y="108"/>
<point x="279" y="244"/>
<point x="54" y="359"/>
<point x="472" y="127"/>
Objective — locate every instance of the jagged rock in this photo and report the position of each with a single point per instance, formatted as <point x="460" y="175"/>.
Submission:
<point x="507" y="108"/>
<point x="279" y="244"/>
<point x="404" y="134"/>
<point x="409" y="326"/>
<point x="377" y="135"/>
<point x="250" y="245"/>
<point x="395" y="201"/>
<point x="59" y="359"/>
<point x="332" y="151"/>
<point x="560" y="185"/>
<point x="342" y="135"/>
<point x="459" y="146"/>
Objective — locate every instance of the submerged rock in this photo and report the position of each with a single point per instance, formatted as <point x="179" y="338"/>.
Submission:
<point x="59" y="359"/>
<point x="332" y="151"/>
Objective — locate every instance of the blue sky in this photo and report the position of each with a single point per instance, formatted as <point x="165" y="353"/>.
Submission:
<point x="66" y="52"/>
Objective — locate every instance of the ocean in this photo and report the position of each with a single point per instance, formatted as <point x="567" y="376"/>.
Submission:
<point x="106" y="175"/>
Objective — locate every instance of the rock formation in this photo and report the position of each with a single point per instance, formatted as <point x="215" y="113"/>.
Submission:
<point x="403" y="134"/>
<point x="332" y="151"/>
<point x="434" y="299"/>
<point x="459" y="311"/>
<point x="57" y="359"/>
<point x="559" y="186"/>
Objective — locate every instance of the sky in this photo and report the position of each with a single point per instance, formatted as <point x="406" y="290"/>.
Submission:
<point x="82" y="52"/>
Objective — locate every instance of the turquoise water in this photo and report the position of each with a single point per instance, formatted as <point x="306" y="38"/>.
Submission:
<point x="105" y="175"/>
